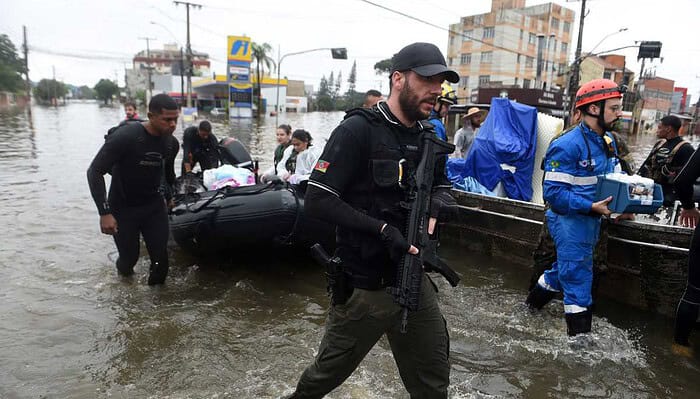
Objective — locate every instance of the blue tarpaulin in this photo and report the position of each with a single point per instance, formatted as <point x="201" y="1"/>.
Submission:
<point x="503" y="150"/>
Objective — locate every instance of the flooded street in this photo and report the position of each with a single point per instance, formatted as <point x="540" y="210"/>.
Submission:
<point x="246" y="327"/>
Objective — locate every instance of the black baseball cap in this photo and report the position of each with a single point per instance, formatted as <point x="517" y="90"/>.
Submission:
<point x="424" y="59"/>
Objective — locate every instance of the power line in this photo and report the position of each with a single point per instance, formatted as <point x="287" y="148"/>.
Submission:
<point x="438" y="26"/>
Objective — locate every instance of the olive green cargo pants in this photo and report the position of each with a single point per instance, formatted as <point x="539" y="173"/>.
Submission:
<point x="352" y="329"/>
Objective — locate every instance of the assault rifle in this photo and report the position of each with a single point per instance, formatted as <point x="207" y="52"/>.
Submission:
<point x="410" y="270"/>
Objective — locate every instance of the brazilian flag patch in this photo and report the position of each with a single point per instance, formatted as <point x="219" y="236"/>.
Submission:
<point x="554" y="164"/>
<point x="322" y="166"/>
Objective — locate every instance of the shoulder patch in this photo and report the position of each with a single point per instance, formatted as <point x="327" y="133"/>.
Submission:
<point x="554" y="164"/>
<point x="322" y="166"/>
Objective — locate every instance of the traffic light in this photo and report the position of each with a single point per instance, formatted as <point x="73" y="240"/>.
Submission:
<point x="340" y="53"/>
<point x="649" y="50"/>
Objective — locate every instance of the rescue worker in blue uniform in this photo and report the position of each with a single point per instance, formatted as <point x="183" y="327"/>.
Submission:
<point x="447" y="98"/>
<point x="572" y="164"/>
<point x="358" y="185"/>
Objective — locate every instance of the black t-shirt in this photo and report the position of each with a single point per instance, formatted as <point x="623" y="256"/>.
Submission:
<point x="663" y="165"/>
<point x="138" y="161"/>
<point x="203" y="151"/>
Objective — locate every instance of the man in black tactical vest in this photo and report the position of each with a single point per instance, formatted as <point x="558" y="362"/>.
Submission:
<point x="359" y="184"/>
<point x="667" y="157"/>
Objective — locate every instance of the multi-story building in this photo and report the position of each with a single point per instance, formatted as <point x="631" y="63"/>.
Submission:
<point x="512" y="46"/>
<point x="167" y="61"/>
<point x="654" y="102"/>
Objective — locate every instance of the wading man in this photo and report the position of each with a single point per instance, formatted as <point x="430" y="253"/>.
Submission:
<point x="199" y="146"/>
<point x="572" y="164"/>
<point x="357" y="186"/>
<point x="139" y="156"/>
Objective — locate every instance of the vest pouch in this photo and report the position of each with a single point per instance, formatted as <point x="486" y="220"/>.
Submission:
<point x="385" y="172"/>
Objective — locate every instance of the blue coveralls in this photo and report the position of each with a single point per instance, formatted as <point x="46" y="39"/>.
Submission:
<point x="435" y="120"/>
<point x="571" y="165"/>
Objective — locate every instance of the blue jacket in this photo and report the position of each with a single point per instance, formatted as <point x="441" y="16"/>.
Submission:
<point x="572" y="164"/>
<point x="436" y="121"/>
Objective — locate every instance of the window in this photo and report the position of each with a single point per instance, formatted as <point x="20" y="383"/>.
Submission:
<point x="467" y="35"/>
<point x="464" y="82"/>
<point x="450" y="61"/>
<point x="532" y="39"/>
<point x="466" y="59"/>
<point x="606" y="75"/>
<point x="452" y="40"/>
<point x="526" y="83"/>
<point x="555" y="45"/>
<point x="484" y="79"/>
<point x="518" y="59"/>
<point x="515" y="82"/>
<point x="529" y="61"/>
<point x="486" y="57"/>
<point x="567" y="26"/>
<point x="555" y="23"/>
<point x="488" y="32"/>
<point x="478" y="20"/>
<point x="564" y="47"/>
<point x="521" y="34"/>
<point x="562" y="68"/>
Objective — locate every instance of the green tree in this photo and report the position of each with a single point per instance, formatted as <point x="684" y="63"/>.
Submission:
<point x="323" y="99"/>
<point x="383" y="66"/>
<point x="11" y="66"/>
<point x="48" y="89"/>
<point x="262" y="59"/>
<point x="351" y="94"/>
<point x="140" y="96"/>
<point x="86" y="93"/>
<point x="105" y="89"/>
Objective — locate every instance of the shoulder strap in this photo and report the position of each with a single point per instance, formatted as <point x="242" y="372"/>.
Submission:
<point x="678" y="147"/>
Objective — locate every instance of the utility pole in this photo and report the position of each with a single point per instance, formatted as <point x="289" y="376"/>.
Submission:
<point x="27" y="84"/>
<point x="54" y="99"/>
<point x="188" y="49"/>
<point x="148" y="68"/>
<point x="575" y="68"/>
<point x="126" y="84"/>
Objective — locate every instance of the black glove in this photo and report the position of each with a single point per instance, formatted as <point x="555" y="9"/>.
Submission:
<point x="443" y="206"/>
<point x="395" y="243"/>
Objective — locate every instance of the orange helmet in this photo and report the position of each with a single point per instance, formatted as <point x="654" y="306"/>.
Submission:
<point x="597" y="90"/>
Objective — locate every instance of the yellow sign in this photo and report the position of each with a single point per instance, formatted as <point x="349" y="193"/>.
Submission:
<point x="239" y="48"/>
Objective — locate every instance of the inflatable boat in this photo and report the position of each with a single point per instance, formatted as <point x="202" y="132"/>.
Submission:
<point x="244" y="217"/>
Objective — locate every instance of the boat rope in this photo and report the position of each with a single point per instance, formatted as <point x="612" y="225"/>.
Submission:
<point x="287" y="240"/>
<point x="649" y="244"/>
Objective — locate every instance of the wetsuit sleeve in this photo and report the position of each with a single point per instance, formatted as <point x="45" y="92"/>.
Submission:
<point x="559" y="179"/>
<point x="169" y="163"/>
<point x="343" y="157"/>
<point x="187" y="144"/>
<point x="685" y="180"/>
<point x="112" y="150"/>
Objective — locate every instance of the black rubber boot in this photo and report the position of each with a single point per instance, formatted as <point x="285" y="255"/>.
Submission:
<point x="686" y="316"/>
<point x="538" y="297"/>
<point x="578" y="323"/>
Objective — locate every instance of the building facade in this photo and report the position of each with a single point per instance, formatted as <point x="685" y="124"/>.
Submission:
<point x="511" y="46"/>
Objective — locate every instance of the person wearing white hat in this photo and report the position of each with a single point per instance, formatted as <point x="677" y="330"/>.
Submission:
<point x="465" y="136"/>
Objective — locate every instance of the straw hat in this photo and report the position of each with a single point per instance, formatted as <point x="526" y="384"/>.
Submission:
<point x="471" y="111"/>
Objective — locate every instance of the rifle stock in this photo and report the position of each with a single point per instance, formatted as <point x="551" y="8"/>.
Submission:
<point x="410" y="272"/>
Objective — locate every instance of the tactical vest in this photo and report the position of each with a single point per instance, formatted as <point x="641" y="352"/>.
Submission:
<point x="380" y="191"/>
<point x="660" y="169"/>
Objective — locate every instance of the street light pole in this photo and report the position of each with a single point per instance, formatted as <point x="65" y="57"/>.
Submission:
<point x="339" y="53"/>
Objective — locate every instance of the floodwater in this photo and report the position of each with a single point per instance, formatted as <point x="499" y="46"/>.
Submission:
<point x="245" y="327"/>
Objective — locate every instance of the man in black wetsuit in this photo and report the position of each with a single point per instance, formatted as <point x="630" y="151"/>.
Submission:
<point x="359" y="184"/>
<point x="139" y="156"/>
<point x="667" y="157"/>
<point x="689" y="305"/>
<point x="199" y="145"/>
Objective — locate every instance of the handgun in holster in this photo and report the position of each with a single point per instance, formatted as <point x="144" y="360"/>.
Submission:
<point x="338" y="287"/>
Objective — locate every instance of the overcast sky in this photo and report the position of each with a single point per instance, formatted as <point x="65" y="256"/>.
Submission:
<point x="110" y="30"/>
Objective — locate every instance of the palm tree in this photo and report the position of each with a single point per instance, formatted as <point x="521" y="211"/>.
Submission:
<point x="261" y="57"/>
